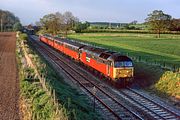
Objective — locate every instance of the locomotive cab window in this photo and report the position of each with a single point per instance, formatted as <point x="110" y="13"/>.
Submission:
<point x="123" y="64"/>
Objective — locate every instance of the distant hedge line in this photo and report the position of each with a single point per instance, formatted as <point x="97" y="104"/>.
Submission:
<point x="127" y="31"/>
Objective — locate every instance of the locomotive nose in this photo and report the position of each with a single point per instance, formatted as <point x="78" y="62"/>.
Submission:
<point x="123" y="73"/>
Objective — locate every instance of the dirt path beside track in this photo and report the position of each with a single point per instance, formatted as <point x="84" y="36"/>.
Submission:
<point x="9" y="83"/>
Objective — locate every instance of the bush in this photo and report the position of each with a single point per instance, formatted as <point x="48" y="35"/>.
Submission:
<point x="169" y="83"/>
<point x="23" y="36"/>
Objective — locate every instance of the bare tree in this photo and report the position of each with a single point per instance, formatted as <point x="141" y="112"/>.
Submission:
<point x="69" y="21"/>
<point x="61" y="23"/>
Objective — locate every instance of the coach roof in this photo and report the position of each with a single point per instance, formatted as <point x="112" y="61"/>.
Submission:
<point x="73" y="43"/>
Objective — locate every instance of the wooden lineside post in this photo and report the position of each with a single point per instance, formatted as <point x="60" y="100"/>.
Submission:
<point x="45" y="84"/>
<point x="54" y="96"/>
<point x="50" y="91"/>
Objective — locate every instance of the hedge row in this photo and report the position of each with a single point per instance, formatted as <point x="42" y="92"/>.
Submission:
<point x="126" y="31"/>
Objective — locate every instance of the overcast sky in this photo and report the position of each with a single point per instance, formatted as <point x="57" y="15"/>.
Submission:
<point x="30" y="11"/>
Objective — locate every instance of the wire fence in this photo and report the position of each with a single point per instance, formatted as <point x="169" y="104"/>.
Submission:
<point x="162" y="64"/>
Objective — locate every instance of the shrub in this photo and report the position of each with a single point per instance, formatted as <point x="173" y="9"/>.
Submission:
<point x="169" y="83"/>
<point x="23" y="36"/>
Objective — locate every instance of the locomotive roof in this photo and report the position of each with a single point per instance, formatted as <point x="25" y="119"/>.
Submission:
<point x="114" y="56"/>
<point x="118" y="57"/>
<point x="107" y="54"/>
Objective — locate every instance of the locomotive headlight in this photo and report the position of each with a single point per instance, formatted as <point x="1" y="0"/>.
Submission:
<point x="125" y="75"/>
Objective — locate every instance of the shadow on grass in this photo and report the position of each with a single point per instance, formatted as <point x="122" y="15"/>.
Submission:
<point x="147" y="75"/>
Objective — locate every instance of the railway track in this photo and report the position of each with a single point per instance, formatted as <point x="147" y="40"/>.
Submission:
<point x="109" y="101"/>
<point x="147" y="104"/>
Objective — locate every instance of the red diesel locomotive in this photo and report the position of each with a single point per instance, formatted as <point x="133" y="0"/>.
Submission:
<point x="112" y="65"/>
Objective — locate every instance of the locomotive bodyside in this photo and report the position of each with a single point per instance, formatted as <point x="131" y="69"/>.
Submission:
<point x="90" y="57"/>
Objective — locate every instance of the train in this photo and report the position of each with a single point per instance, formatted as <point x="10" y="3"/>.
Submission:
<point x="112" y="65"/>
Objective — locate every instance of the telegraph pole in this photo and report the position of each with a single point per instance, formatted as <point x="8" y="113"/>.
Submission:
<point x="110" y="25"/>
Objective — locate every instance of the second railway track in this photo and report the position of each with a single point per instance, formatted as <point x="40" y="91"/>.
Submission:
<point x="146" y="103"/>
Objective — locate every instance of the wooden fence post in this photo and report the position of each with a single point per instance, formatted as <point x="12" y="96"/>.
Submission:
<point x="50" y="90"/>
<point x="164" y="65"/>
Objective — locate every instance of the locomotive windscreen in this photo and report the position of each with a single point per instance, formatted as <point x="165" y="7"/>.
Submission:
<point x="123" y="64"/>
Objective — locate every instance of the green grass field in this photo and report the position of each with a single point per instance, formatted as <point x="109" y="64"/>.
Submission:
<point x="144" y="46"/>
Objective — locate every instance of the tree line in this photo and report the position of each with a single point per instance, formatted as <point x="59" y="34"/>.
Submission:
<point x="9" y="22"/>
<point x="61" y="23"/>
<point x="55" y="23"/>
